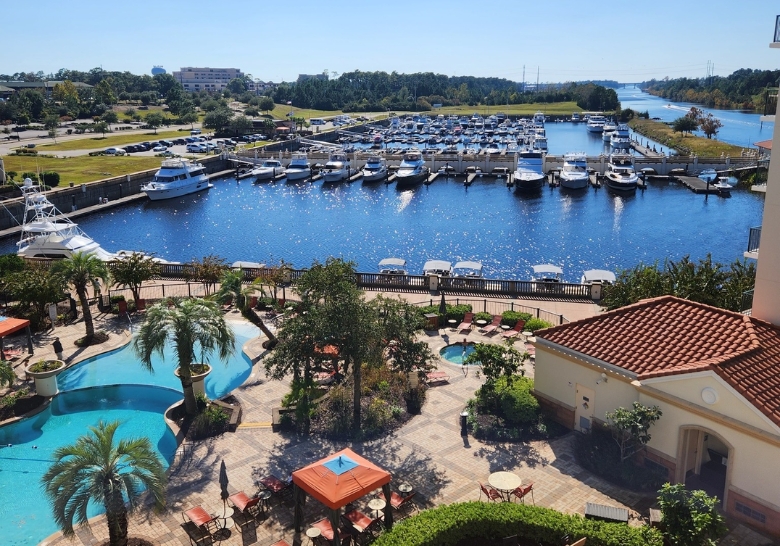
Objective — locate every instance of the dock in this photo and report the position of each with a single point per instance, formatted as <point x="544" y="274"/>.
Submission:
<point x="697" y="185"/>
<point x="431" y="178"/>
<point x="645" y="151"/>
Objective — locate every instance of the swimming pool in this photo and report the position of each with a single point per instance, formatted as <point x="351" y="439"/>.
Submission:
<point x="456" y="353"/>
<point x="123" y="367"/>
<point x="112" y="386"/>
<point x="26" y="448"/>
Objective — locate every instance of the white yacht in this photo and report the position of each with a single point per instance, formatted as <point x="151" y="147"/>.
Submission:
<point x="620" y="172"/>
<point x="441" y="268"/>
<point x="299" y="167"/>
<point x="607" y="130"/>
<point x="175" y="178"/>
<point x="546" y="276"/>
<point x="268" y="170"/>
<point x="375" y="169"/>
<point x="595" y="124"/>
<point x="412" y="169"/>
<point x="574" y="174"/>
<point x="529" y="174"/>
<point x="337" y="168"/>
<point x="47" y="233"/>
<point x="620" y="139"/>
<point x="575" y="117"/>
<point x="539" y="119"/>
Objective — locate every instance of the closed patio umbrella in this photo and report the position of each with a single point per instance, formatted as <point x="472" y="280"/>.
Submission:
<point x="442" y="306"/>
<point x="223" y="483"/>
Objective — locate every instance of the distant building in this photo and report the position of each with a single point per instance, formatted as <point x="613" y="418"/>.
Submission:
<point x="45" y="87"/>
<point x="206" y="79"/>
<point x="157" y="70"/>
<point x="304" y="77"/>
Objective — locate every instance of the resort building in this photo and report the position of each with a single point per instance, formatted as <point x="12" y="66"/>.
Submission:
<point x="715" y="374"/>
<point x="206" y="79"/>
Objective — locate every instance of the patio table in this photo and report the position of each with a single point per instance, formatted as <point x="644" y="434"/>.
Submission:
<point x="504" y="483"/>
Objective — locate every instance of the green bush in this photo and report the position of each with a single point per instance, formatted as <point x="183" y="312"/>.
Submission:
<point x="511" y="400"/>
<point x="536" y="324"/>
<point x="454" y="312"/>
<point x="211" y="421"/>
<point x="483" y="316"/>
<point x="31" y="176"/>
<point x="510" y="318"/>
<point x="10" y="399"/>
<point x="50" y="178"/>
<point x="449" y="525"/>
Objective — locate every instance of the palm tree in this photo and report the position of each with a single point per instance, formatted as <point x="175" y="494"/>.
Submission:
<point x="190" y="324"/>
<point x="80" y="270"/>
<point x="232" y="289"/>
<point x="95" y="469"/>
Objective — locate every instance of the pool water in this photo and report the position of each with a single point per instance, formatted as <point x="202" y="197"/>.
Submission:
<point x="456" y="353"/>
<point x="123" y="367"/>
<point x="112" y="386"/>
<point x="27" y="446"/>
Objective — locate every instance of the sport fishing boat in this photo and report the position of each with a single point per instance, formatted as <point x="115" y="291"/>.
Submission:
<point x="175" y="178"/>
<point x="375" y="169"/>
<point x="574" y="174"/>
<point x="620" y="172"/>
<point x="412" y="169"/>
<point x="337" y="168"/>
<point x="529" y="175"/>
<point x="268" y="170"/>
<point x="299" y="167"/>
<point x="47" y="233"/>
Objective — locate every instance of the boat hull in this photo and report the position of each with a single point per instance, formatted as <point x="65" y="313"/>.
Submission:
<point x="156" y="194"/>
<point x="411" y="179"/>
<point x="621" y="185"/>
<point x="525" y="183"/>
<point x="573" y="183"/>
<point x="298" y="174"/>
<point x="334" y="176"/>
<point x="374" y="176"/>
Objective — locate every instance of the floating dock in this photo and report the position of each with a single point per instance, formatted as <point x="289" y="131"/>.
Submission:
<point x="697" y="185"/>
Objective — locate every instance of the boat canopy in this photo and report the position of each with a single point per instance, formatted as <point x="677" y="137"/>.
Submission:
<point x="247" y="265"/>
<point x="471" y="269"/>
<point x="437" y="267"/>
<point x="394" y="262"/>
<point x="547" y="269"/>
<point x="598" y="275"/>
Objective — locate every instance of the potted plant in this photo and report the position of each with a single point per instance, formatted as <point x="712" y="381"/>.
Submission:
<point x="199" y="372"/>
<point x="44" y="372"/>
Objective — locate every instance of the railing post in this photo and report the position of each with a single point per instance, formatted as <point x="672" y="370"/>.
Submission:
<point x="561" y="320"/>
<point x="189" y="290"/>
<point x="537" y="312"/>
<point x="163" y="289"/>
<point x="484" y="305"/>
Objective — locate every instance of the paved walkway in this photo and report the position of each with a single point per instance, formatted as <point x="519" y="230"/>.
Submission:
<point x="427" y="452"/>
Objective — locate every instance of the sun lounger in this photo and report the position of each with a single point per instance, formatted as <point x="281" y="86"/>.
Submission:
<point x="515" y="331"/>
<point x="493" y="326"/>
<point x="467" y="322"/>
<point x="436" y="377"/>
<point x="200" y="525"/>
<point x="245" y="509"/>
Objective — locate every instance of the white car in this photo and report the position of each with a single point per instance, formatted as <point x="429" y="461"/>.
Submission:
<point x="159" y="148"/>
<point x="114" y="151"/>
<point x="196" y="148"/>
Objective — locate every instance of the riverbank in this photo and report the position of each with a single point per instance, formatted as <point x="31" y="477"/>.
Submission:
<point x="684" y="144"/>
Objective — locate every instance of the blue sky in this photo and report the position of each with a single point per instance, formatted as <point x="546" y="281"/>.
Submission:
<point x="276" y="40"/>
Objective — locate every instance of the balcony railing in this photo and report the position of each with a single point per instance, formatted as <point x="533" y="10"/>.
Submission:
<point x="754" y="239"/>
<point x="770" y="101"/>
<point x="747" y="301"/>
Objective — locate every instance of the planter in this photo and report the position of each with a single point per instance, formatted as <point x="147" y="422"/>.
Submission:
<point x="46" y="381"/>
<point x="122" y="304"/>
<point x="198" y="381"/>
<point x="140" y="304"/>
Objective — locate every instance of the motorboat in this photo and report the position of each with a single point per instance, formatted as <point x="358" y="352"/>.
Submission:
<point x="575" y="117"/>
<point x="540" y="142"/>
<point x="595" y="124"/>
<point x="268" y="170"/>
<point x="620" y="172"/>
<point x="574" y="174"/>
<point x="47" y="233"/>
<point x="722" y="185"/>
<point x="177" y="177"/>
<point x="337" y="168"/>
<point x="441" y="268"/>
<point x="375" y="169"/>
<point x="620" y="139"/>
<point x="392" y="266"/>
<point x="547" y="276"/>
<point x="412" y="169"/>
<point x="467" y="269"/>
<point x="709" y="175"/>
<point x="607" y="130"/>
<point x="529" y="174"/>
<point x="299" y="167"/>
<point x="538" y="118"/>
<point x="601" y="276"/>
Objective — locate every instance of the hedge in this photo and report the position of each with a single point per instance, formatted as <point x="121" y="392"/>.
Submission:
<point x="447" y="525"/>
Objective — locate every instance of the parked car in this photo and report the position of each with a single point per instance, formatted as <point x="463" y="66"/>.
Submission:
<point x="197" y="148"/>
<point x="130" y="149"/>
<point x="191" y="139"/>
<point x="166" y="143"/>
<point x="179" y="141"/>
<point x="159" y="148"/>
<point x="210" y="146"/>
<point x="114" y="151"/>
<point x="230" y="142"/>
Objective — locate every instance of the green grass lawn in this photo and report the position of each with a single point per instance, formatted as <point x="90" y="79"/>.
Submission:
<point x="684" y="144"/>
<point x="113" y="139"/>
<point x="82" y="168"/>
<point x="281" y="111"/>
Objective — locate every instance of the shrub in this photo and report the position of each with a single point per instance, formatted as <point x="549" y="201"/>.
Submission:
<point x="510" y="318"/>
<point x="449" y="525"/>
<point x="31" y="176"/>
<point x="50" y="178"/>
<point x="45" y="366"/>
<point x="511" y="400"/>
<point x="483" y="316"/>
<point x="535" y="324"/>
<point x="211" y="421"/>
<point x="10" y="399"/>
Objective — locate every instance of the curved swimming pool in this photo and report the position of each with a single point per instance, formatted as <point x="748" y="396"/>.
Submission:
<point x="112" y="386"/>
<point x="456" y="353"/>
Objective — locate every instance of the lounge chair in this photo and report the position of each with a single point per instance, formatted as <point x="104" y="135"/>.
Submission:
<point x="326" y="531"/>
<point x="493" y="326"/>
<point x="437" y="377"/>
<point x="521" y="492"/>
<point x="514" y="331"/>
<point x="245" y="509"/>
<point x="467" y="322"/>
<point x="403" y="506"/>
<point x="491" y="494"/>
<point x="199" y="525"/>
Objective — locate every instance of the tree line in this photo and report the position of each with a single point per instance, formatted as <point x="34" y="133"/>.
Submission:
<point x="742" y="89"/>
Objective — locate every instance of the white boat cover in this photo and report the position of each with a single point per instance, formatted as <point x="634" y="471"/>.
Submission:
<point x="437" y="265"/>
<point x="395" y="262"/>
<point x="475" y="266"/>
<point x="247" y="265"/>
<point x="547" y="269"/>
<point x="598" y="275"/>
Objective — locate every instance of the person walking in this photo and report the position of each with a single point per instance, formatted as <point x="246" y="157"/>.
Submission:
<point x="57" y="348"/>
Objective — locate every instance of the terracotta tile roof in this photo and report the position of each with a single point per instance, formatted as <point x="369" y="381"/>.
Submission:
<point x="669" y="335"/>
<point x="765" y="144"/>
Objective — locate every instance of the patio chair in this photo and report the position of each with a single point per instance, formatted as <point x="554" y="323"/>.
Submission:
<point x="514" y="331"/>
<point x="521" y="492"/>
<point x="245" y="509"/>
<point x="493" y="326"/>
<point x="467" y="322"/>
<point x="326" y="531"/>
<point x="437" y="377"/>
<point x="281" y="543"/>
<point x="491" y="494"/>
<point x="199" y="525"/>
<point x="403" y="506"/>
<point x="580" y="542"/>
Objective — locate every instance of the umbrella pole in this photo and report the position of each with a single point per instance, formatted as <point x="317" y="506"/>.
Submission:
<point x="388" y="507"/>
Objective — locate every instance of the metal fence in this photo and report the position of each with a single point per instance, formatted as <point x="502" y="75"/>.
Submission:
<point x="754" y="239"/>
<point x="496" y="307"/>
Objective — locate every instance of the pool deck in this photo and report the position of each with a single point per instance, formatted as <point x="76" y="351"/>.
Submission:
<point x="428" y="452"/>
